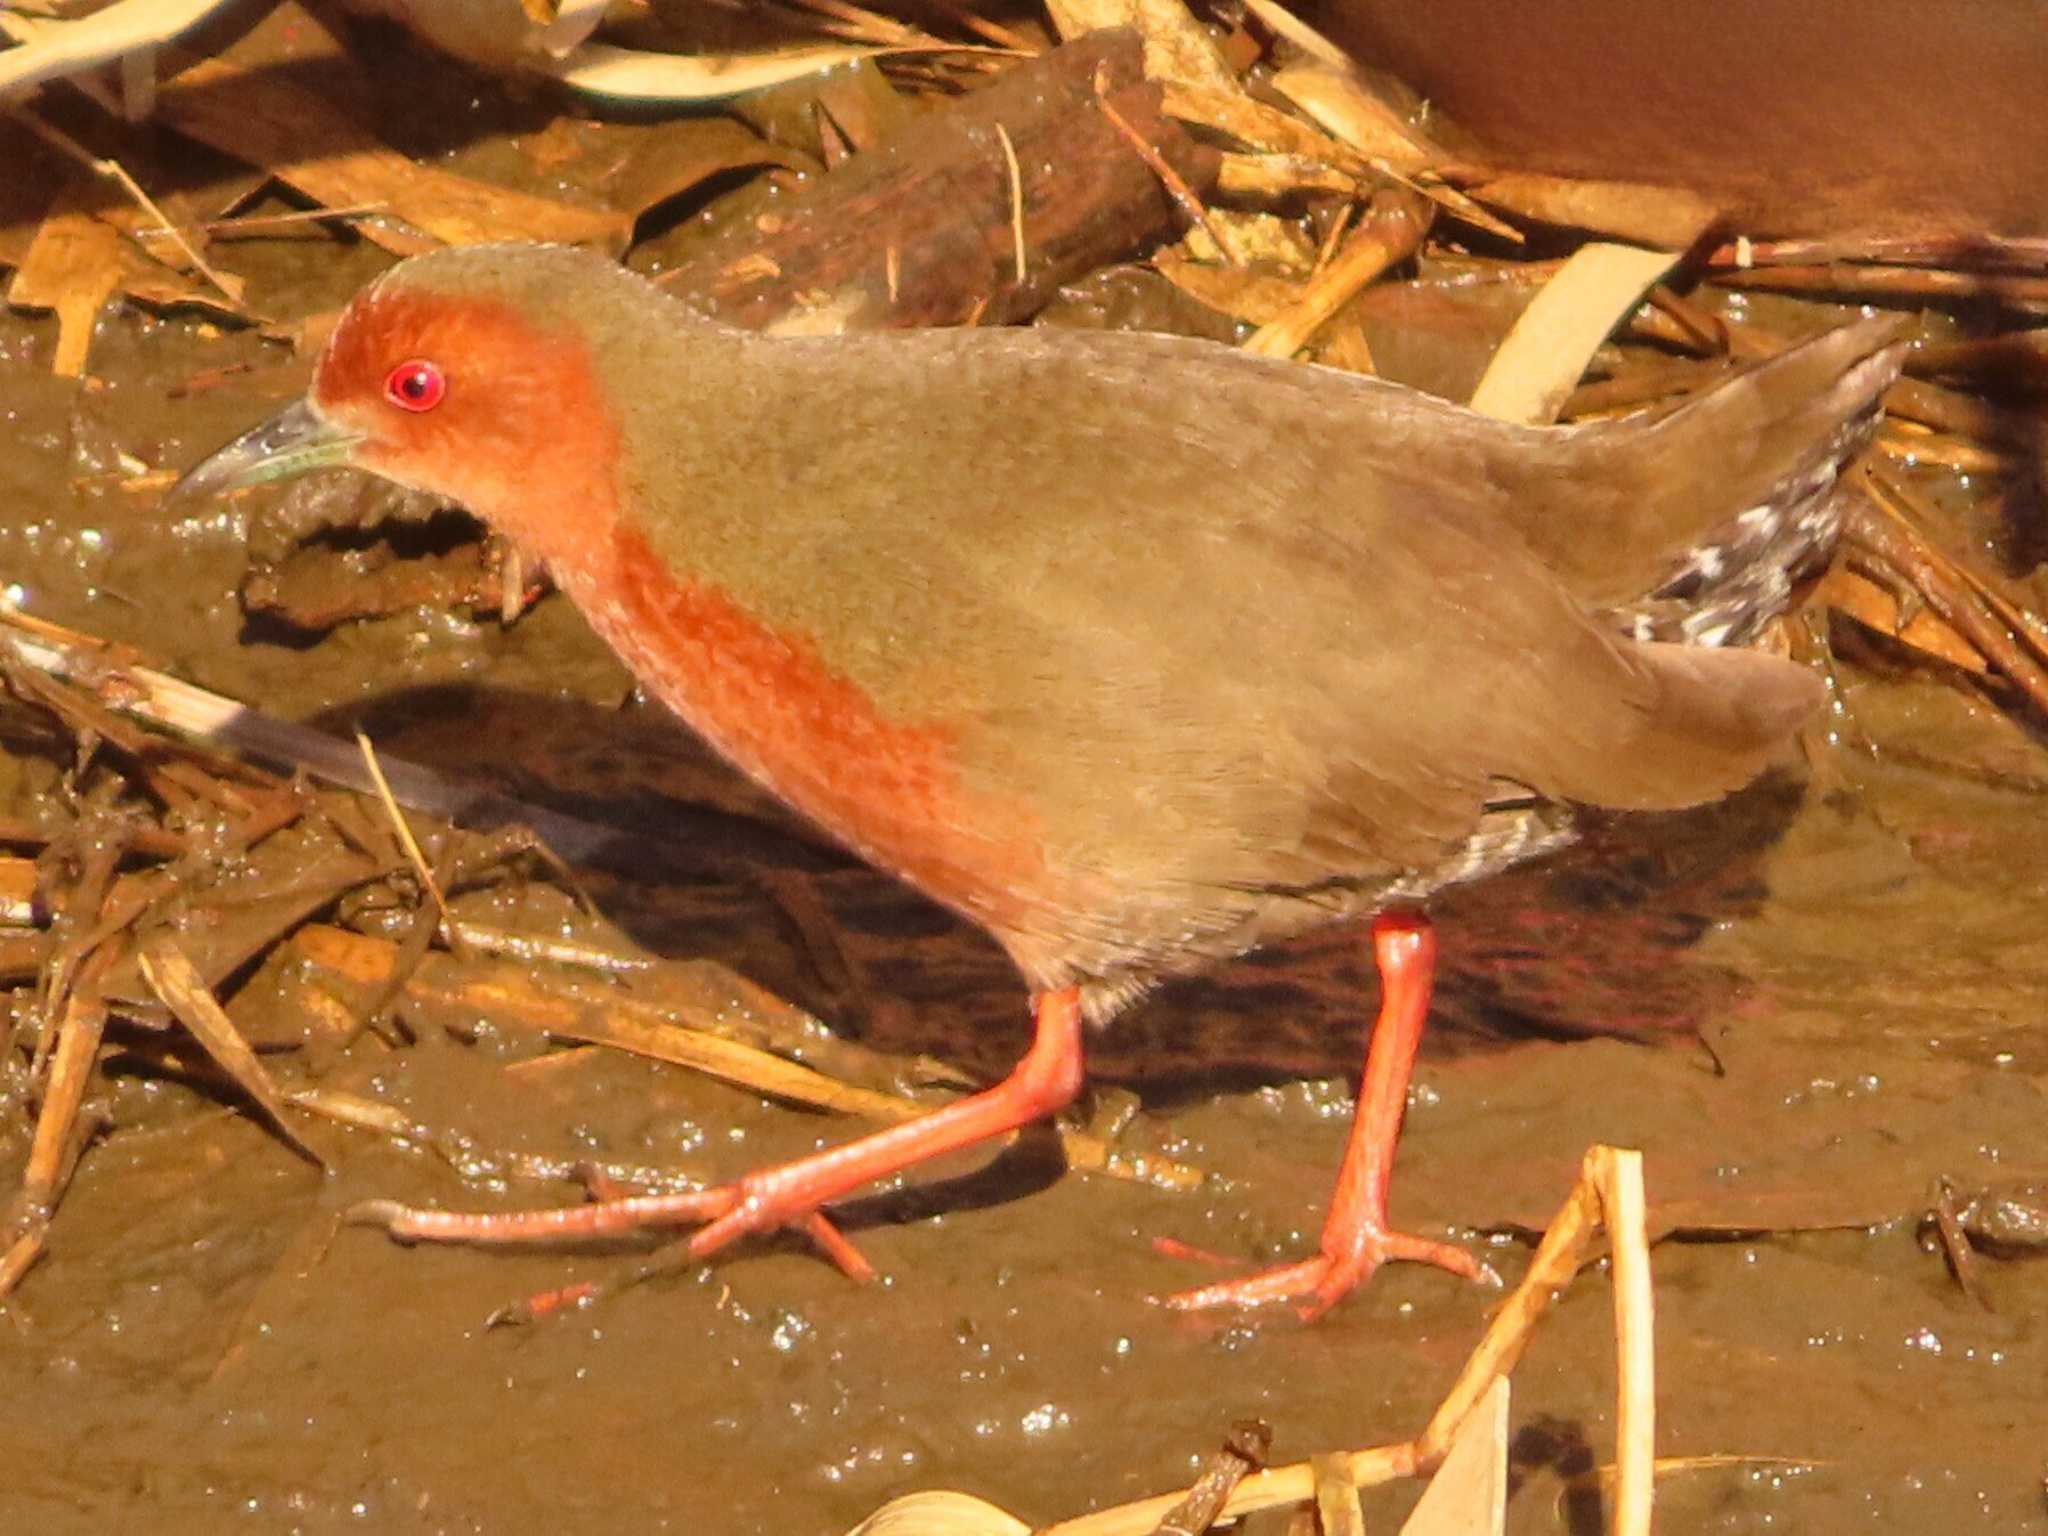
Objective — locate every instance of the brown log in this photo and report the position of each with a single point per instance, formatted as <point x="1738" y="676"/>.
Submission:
<point x="921" y="229"/>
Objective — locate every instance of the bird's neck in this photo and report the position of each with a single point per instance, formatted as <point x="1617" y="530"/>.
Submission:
<point x="770" y="702"/>
<point x="635" y="425"/>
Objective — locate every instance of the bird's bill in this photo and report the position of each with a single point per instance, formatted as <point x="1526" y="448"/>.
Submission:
<point x="294" y="441"/>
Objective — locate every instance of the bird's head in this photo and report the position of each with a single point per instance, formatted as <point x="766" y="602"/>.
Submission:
<point x="470" y="373"/>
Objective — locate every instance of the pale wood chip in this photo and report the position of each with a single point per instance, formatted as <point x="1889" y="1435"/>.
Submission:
<point x="1176" y="46"/>
<point x="71" y="1064"/>
<point x="265" y="117"/>
<point x="1390" y="233"/>
<point x="184" y="991"/>
<point x="60" y="48"/>
<point x="1253" y="297"/>
<point x="1339" y="101"/>
<point x="73" y="266"/>
<point x="1284" y="23"/>
<point x="1337" y="1508"/>
<point x="628" y="74"/>
<point x="1272" y="177"/>
<point x="1469" y="1494"/>
<point x="1258" y="125"/>
<point x="1638" y="212"/>
<point x="1542" y="358"/>
<point x="940" y="1513"/>
<point x="1244" y="236"/>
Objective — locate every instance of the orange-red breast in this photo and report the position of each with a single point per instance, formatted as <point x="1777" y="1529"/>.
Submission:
<point x="1135" y="650"/>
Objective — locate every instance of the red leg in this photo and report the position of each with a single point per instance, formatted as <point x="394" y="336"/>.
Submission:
<point x="1355" y="1236"/>
<point x="791" y="1194"/>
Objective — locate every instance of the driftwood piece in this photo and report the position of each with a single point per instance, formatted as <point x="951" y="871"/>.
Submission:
<point x="923" y="230"/>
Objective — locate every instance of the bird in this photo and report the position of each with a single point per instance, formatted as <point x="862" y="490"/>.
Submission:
<point x="1136" y="650"/>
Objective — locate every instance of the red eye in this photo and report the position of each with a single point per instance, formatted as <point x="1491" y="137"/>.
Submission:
<point x="415" y="385"/>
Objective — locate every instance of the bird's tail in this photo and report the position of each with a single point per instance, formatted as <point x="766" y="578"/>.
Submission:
<point x="1794" y="423"/>
<point x="1701" y="523"/>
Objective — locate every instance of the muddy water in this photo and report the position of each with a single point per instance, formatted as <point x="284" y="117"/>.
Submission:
<point x="1832" y="999"/>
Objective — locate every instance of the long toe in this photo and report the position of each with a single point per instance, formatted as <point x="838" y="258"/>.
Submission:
<point x="1410" y="1249"/>
<point x="1327" y="1278"/>
<point x="553" y="1224"/>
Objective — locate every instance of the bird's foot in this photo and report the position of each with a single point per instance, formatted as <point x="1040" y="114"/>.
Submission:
<point x="1330" y="1276"/>
<point x="792" y="1194"/>
<point x="771" y="1198"/>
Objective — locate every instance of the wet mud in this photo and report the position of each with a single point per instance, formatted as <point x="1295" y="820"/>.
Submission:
<point x="1830" y="1000"/>
<point x="1807" y="1007"/>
